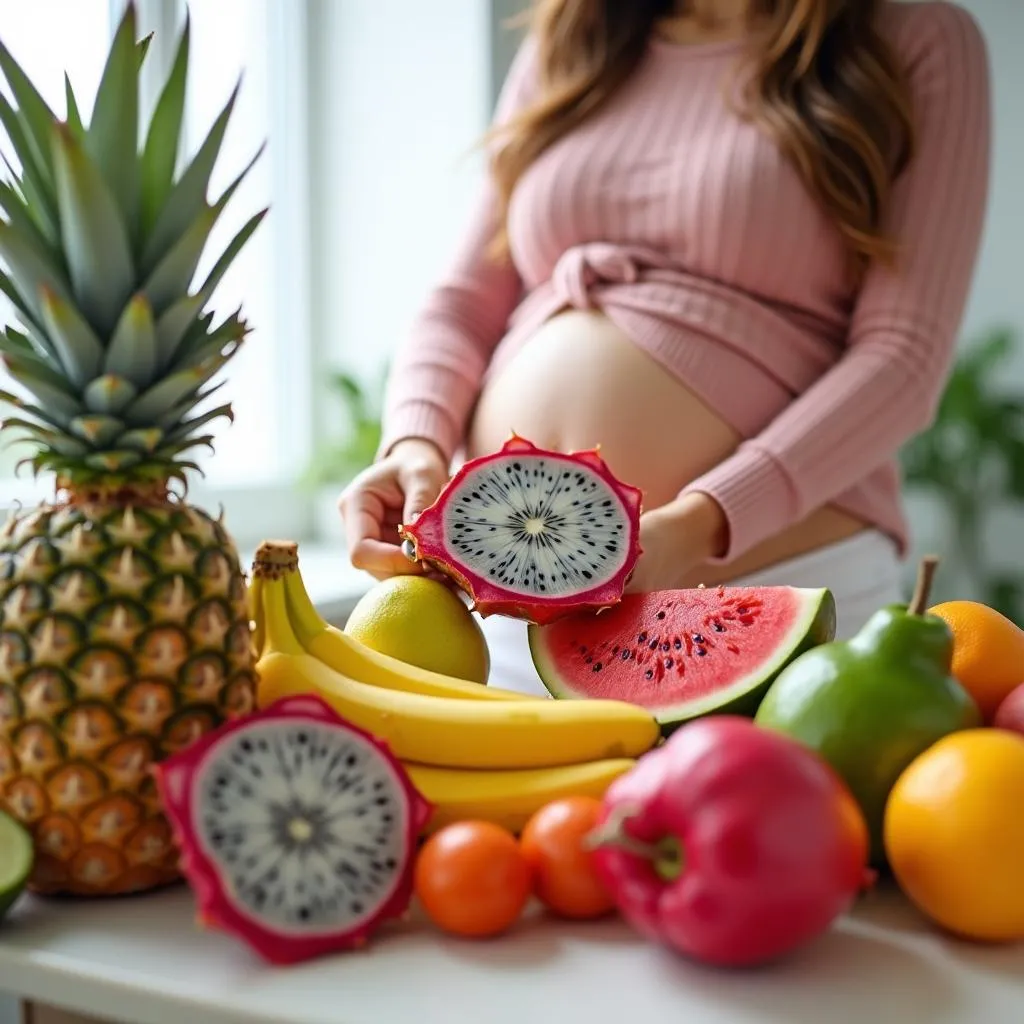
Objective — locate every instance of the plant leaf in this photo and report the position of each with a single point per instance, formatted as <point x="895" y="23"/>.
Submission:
<point x="175" y="415"/>
<point x="98" y="252"/>
<point x="142" y="48"/>
<point x="112" y="138"/>
<point x="43" y="415"/>
<point x="74" y="116"/>
<point x="190" y="426"/>
<point x="20" y="216"/>
<point x="144" y="439"/>
<point x="77" y="347"/>
<point x="133" y="353"/>
<point x="56" y="440"/>
<point x="232" y="329"/>
<point x="47" y="388"/>
<point x="35" y="114"/>
<point x="173" y="274"/>
<point x="108" y="394"/>
<point x="160" y="155"/>
<point x="187" y="199"/>
<point x="97" y="429"/>
<point x="151" y="405"/>
<point x="228" y="256"/>
<point x="29" y="271"/>
<point x="16" y="344"/>
<point x="38" y="190"/>
<point x="173" y="324"/>
<point x="112" y="461"/>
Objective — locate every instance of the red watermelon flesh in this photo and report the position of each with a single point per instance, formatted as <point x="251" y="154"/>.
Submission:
<point x="684" y="653"/>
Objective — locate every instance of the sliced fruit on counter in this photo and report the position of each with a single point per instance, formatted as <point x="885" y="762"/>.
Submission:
<point x="335" y="648"/>
<point x="472" y="879"/>
<point x="565" y="878"/>
<point x="954" y="834"/>
<point x="532" y="534"/>
<point x="988" y="652"/>
<point x="422" y="622"/>
<point x="684" y="653"/>
<point x="450" y="732"/>
<point x="297" y="830"/>
<point x="870" y="705"/>
<point x="731" y="844"/>
<point x="1010" y="714"/>
<point x="17" y="858"/>
<point x="508" y="797"/>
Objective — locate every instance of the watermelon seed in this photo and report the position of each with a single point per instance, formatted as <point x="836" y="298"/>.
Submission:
<point x="641" y="638"/>
<point x="697" y="638"/>
<point x="615" y="650"/>
<point x="597" y="666"/>
<point x="677" y="644"/>
<point x="718" y="627"/>
<point x="701" y="652"/>
<point x="661" y="615"/>
<point x="653" y="645"/>
<point x="625" y="655"/>
<point x="668" y="663"/>
<point x="649" y="674"/>
<point x="588" y="659"/>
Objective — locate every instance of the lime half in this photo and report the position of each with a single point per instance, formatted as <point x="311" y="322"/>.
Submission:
<point x="17" y="855"/>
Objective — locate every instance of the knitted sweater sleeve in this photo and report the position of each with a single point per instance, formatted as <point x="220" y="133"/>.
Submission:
<point x="902" y="337"/>
<point x="437" y="372"/>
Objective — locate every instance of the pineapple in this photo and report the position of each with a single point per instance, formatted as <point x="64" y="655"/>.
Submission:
<point x="124" y="631"/>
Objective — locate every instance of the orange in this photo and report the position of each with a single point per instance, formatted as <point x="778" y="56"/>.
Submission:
<point x="954" y="833"/>
<point x="565" y="879"/>
<point x="988" y="651"/>
<point x="472" y="879"/>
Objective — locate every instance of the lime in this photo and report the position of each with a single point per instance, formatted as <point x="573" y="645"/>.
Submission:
<point x="17" y="856"/>
<point x="422" y="622"/>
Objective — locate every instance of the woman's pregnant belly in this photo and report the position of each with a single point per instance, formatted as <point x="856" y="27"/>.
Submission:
<point x="579" y="382"/>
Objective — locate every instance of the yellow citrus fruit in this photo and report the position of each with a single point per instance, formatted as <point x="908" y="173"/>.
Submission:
<point x="954" y="833"/>
<point x="422" y="622"/>
<point x="988" y="651"/>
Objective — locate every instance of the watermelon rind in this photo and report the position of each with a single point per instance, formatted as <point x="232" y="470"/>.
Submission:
<point x="815" y="624"/>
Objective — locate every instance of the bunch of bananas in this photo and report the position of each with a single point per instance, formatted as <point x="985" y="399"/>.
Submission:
<point x="473" y="751"/>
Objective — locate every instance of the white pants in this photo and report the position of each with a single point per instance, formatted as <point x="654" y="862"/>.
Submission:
<point x="863" y="573"/>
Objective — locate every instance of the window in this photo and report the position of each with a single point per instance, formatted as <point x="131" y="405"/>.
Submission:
<point x="259" y="454"/>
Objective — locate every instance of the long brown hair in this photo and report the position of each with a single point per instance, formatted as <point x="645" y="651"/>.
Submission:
<point x="825" y="85"/>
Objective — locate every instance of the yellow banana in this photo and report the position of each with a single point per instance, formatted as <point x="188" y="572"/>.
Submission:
<point x="508" y="798"/>
<point x="451" y="732"/>
<point x="346" y="655"/>
<point x="255" y="601"/>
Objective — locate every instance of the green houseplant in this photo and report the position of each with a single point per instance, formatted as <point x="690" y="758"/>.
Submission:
<point x="970" y="464"/>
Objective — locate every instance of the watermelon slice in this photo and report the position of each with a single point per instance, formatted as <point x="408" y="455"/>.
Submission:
<point x="684" y="653"/>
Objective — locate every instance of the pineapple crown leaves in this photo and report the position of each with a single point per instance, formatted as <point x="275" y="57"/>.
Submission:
<point x="100" y="241"/>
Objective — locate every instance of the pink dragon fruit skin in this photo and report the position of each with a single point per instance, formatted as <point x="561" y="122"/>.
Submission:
<point x="177" y="778"/>
<point x="428" y="539"/>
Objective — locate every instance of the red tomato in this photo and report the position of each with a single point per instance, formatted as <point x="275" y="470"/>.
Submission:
<point x="472" y="879"/>
<point x="564" y="877"/>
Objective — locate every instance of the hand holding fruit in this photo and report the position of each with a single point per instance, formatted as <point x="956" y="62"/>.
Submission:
<point x="674" y="540"/>
<point x="390" y="492"/>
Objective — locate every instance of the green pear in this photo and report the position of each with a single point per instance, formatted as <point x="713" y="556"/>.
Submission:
<point x="871" y="704"/>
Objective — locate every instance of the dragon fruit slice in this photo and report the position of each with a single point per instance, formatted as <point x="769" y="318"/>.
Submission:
<point x="297" y="830"/>
<point x="532" y="534"/>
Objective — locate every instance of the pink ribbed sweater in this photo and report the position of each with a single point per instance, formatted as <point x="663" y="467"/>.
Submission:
<point x="692" y="232"/>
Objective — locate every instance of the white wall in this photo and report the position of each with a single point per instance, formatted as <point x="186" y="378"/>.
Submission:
<point x="401" y="92"/>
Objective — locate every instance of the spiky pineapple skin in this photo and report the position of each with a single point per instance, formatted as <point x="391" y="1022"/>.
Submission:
<point x="124" y="636"/>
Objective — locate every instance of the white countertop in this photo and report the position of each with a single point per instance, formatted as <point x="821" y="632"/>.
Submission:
<point x="142" y="960"/>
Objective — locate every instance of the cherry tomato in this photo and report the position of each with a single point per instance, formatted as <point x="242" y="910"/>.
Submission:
<point x="472" y="879"/>
<point x="564" y="877"/>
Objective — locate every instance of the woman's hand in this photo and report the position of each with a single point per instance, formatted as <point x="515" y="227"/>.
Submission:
<point x="385" y="495"/>
<point x="676" y="538"/>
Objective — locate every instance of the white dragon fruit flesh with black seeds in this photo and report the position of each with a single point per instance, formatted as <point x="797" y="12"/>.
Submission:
<point x="532" y="534"/>
<point x="297" y="830"/>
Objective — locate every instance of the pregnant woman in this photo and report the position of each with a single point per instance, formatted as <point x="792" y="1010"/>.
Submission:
<point x="730" y="241"/>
